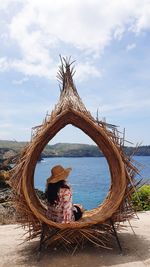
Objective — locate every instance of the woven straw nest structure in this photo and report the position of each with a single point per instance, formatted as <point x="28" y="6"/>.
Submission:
<point x="117" y="205"/>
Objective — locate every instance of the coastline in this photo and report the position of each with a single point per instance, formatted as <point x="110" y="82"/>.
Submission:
<point x="13" y="149"/>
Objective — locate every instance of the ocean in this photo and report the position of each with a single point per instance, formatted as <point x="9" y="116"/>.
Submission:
<point x="89" y="178"/>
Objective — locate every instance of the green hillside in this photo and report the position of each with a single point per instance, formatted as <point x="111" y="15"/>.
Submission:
<point x="72" y="150"/>
<point x="14" y="145"/>
<point x="10" y="148"/>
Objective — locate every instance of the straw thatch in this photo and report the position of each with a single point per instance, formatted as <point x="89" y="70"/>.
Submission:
<point x="117" y="205"/>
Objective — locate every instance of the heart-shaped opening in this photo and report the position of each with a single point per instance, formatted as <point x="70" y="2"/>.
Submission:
<point x="103" y="140"/>
<point x="90" y="175"/>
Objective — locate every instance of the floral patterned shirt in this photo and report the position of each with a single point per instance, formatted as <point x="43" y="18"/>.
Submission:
<point x="62" y="210"/>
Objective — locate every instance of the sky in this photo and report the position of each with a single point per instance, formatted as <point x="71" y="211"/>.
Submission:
<point x="110" y="41"/>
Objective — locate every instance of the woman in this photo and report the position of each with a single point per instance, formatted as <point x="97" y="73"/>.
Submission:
<point x="59" y="196"/>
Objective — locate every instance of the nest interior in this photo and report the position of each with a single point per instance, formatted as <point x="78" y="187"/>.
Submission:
<point x="116" y="206"/>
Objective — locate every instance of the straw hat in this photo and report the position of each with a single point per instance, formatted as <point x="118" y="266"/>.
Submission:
<point x="58" y="174"/>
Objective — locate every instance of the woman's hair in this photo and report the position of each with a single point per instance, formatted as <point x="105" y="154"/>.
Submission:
<point x="53" y="190"/>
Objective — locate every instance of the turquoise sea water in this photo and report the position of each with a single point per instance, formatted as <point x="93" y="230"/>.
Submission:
<point x="89" y="179"/>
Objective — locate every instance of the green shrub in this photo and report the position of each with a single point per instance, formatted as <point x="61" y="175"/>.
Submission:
<point x="141" y="199"/>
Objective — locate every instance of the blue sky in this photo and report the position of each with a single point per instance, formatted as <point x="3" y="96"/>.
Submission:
<point x="110" y="41"/>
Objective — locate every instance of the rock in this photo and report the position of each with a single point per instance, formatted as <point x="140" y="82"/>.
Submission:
<point x="5" y="195"/>
<point x="2" y="209"/>
<point x="7" y="211"/>
<point x="3" y="184"/>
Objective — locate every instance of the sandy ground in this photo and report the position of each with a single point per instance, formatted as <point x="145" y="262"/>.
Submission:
<point x="136" y="249"/>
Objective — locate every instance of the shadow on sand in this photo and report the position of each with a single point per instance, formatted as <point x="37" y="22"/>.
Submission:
<point x="135" y="249"/>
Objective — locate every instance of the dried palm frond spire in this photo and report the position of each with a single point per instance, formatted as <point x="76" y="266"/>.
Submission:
<point x="117" y="206"/>
<point x="69" y="97"/>
<point x="66" y="73"/>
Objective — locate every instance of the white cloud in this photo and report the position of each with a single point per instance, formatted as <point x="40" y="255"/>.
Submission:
<point x="4" y="4"/>
<point x="31" y="69"/>
<point x="87" y="26"/>
<point x="130" y="47"/>
<point x="142" y="16"/>
<point x="21" y="81"/>
<point x="4" y="65"/>
<point x="85" y="70"/>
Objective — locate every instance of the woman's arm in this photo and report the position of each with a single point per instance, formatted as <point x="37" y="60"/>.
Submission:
<point x="67" y="206"/>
